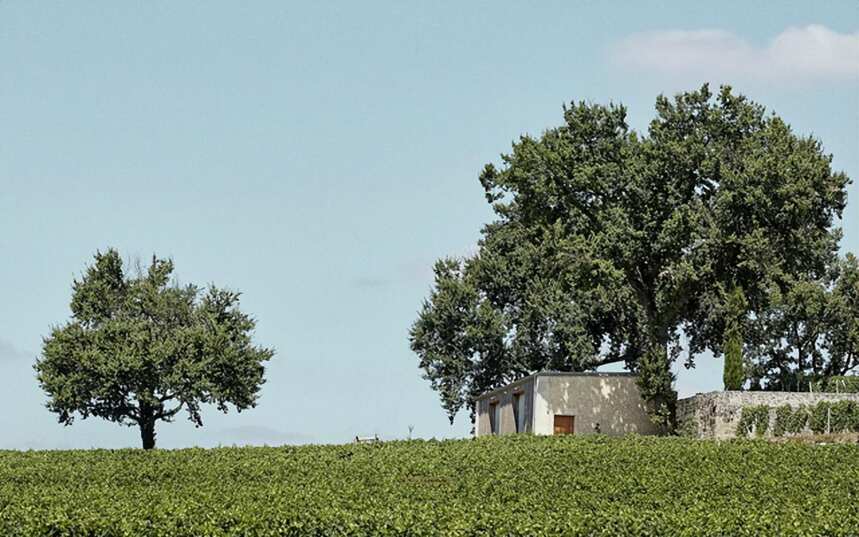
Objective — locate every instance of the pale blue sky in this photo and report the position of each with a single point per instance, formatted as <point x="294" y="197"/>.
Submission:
<point x="320" y="157"/>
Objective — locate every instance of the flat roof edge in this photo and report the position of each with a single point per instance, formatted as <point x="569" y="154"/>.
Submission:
<point x="496" y="391"/>
<point x="585" y="374"/>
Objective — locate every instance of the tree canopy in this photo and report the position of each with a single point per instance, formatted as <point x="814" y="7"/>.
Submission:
<point x="608" y="244"/>
<point x="809" y="332"/>
<point x="140" y="348"/>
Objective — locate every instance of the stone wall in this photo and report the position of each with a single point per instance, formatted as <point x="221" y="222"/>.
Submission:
<point x="717" y="414"/>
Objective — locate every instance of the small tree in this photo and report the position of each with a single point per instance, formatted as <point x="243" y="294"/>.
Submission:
<point x="733" y="375"/>
<point x="140" y="349"/>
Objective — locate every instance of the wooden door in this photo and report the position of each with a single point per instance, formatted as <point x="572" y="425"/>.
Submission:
<point x="564" y="424"/>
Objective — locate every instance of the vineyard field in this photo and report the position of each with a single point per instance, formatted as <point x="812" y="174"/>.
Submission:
<point x="508" y="486"/>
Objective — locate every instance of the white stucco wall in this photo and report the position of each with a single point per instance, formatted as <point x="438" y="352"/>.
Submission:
<point x="612" y="400"/>
<point x="503" y="399"/>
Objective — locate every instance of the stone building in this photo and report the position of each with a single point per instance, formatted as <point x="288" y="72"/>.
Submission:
<point x="565" y="403"/>
<point x="717" y="414"/>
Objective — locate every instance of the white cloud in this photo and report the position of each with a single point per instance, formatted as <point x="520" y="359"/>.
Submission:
<point x="811" y="53"/>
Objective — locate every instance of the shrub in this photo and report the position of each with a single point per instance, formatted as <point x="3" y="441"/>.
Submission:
<point x="783" y="416"/>
<point x="689" y="427"/>
<point x="820" y="418"/>
<point x="824" y="417"/>
<point x="854" y="418"/>
<point x="844" y="415"/>
<point x="798" y="420"/>
<point x="744" y="426"/>
<point x="754" y="418"/>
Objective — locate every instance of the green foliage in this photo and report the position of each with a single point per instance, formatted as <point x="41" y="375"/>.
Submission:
<point x="608" y="242"/>
<point x="834" y="417"/>
<point x="754" y="418"/>
<point x="845" y="416"/>
<point x="782" y="423"/>
<point x="689" y="427"/>
<point x="824" y="417"/>
<point x="853" y="419"/>
<point x="734" y="376"/>
<point x="515" y="486"/>
<point x="808" y="331"/>
<point x="840" y="384"/>
<point x="139" y="349"/>
<point x="655" y="382"/>
<point x="799" y="420"/>
<point x="820" y="417"/>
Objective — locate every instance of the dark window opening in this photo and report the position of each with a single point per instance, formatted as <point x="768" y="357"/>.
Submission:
<point x="519" y="412"/>
<point x="493" y="418"/>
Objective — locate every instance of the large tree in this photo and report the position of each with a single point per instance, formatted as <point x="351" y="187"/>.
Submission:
<point x="609" y="243"/>
<point x="140" y="348"/>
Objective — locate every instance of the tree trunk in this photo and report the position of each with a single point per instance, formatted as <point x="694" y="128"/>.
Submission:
<point x="147" y="426"/>
<point x="147" y="433"/>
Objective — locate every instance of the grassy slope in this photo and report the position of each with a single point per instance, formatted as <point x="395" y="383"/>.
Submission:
<point x="495" y="486"/>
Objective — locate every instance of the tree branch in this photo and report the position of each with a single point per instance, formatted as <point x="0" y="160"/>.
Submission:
<point x="167" y="414"/>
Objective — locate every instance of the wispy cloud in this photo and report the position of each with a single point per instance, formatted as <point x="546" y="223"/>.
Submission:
<point x="808" y="54"/>
<point x="8" y="353"/>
